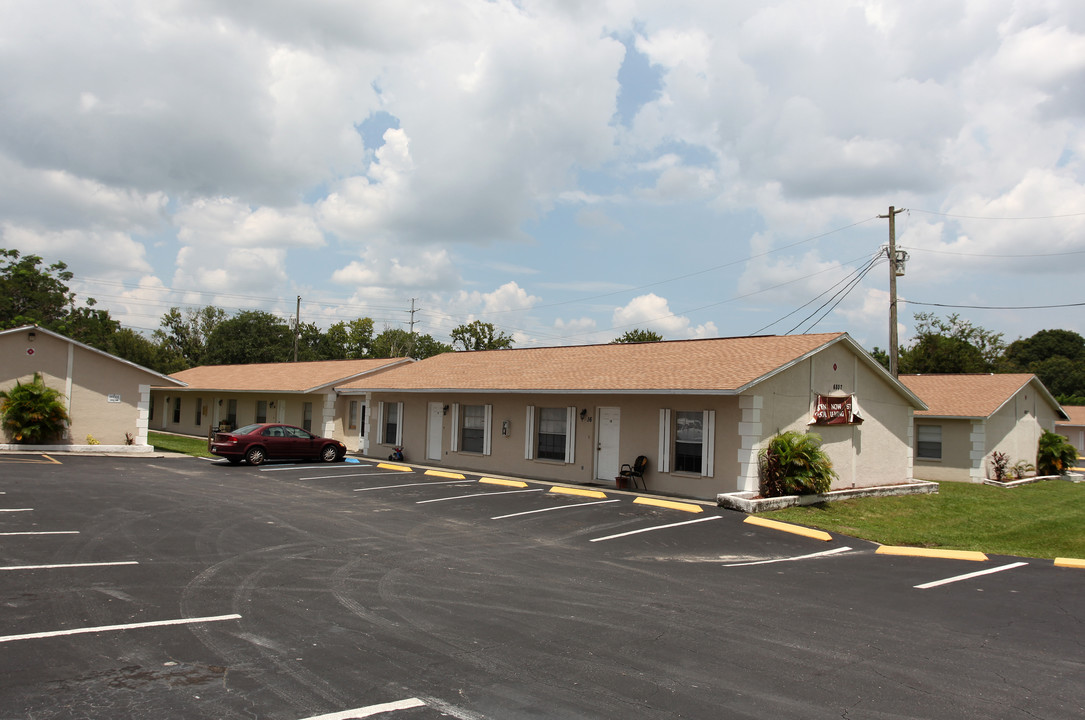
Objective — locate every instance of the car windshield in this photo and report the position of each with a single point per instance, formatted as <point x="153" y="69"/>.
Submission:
<point x="247" y="429"/>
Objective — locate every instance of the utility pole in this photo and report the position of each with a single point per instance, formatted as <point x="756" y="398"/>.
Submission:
<point x="297" y="328"/>
<point x="894" y="270"/>
<point x="410" y="347"/>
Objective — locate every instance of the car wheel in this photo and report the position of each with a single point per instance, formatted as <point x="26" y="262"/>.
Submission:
<point x="255" y="455"/>
<point x="329" y="453"/>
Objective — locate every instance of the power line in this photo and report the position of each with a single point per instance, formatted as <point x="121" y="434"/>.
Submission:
<point x="992" y="255"/>
<point x="980" y="217"/>
<point x="838" y="296"/>
<point x="996" y="307"/>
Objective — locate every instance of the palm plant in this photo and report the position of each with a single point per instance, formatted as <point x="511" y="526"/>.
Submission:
<point x="32" y="413"/>
<point x="1054" y="454"/>
<point x="793" y="463"/>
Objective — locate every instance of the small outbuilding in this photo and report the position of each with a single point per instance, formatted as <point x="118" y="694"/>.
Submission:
<point x="970" y="417"/>
<point x="108" y="398"/>
<point x="700" y="410"/>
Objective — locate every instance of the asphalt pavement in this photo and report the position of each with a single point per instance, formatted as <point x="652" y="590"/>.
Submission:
<point x="185" y="588"/>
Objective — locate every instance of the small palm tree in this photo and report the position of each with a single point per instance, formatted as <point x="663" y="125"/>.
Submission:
<point x="32" y="413"/>
<point x="1054" y="454"/>
<point x="793" y="463"/>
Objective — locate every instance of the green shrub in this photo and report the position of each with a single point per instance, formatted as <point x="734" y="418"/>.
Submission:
<point x="32" y="413"/>
<point x="793" y="463"/>
<point x="1054" y="455"/>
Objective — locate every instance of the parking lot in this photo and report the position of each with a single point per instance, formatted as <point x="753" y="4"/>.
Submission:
<point x="185" y="588"/>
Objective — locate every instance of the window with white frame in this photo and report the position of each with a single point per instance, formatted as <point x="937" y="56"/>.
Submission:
<point x="928" y="442"/>
<point x="231" y="413"/>
<point x="261" y="411"/>
<point x="177" y="409"/>
<point x="352" y="415"/>
<point x="199" y="411"/>
<point x="307" y="416"/>
<point x="390" y="421"/>
<point x="473" y="430"/>
<point x="687" y="441"/>
<point x="550" y="434"/>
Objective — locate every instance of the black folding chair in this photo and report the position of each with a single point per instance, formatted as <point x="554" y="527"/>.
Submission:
<point x="635" y="471"/>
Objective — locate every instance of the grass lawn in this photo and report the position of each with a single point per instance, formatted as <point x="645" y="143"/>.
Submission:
<point x="197" y="447"/>
<point x="1043" y="520"/>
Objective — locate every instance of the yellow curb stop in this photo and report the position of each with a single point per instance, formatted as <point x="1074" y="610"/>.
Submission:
<point x="789" y="528"/>
<point x="450" y="475"/>
<point x="931" y="553"/>
<point x="388" y="466"/>
<point x="578" y="491"/>
<point x="1070" y="563"/>
<point x="685" y="507"/>
<point x="510" y="483"/>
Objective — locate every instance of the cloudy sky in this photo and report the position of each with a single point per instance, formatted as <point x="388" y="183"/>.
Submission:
<point x="567" y="170"/>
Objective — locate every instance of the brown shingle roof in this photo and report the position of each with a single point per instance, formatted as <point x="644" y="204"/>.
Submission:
<point x="1076" y="413"/>
<point x="280" y="377"/>
<point x="716" y="365"/>
<point x="974" y="396"/>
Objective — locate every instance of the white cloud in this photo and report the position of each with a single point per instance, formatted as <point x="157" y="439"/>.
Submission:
<point x="651" y="312"/>
<point x="96" y="254"/>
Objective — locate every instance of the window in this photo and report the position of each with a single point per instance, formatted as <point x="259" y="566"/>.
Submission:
<point x="928" y="442"/>
<point x="688" y="441"/>
<point x="392" y="432"/>
<point x="352" y="416"/>
<point x="231" y="413"/>
<point x="261" y="411"/>
<point x="199" y="411"/>
<point x="472" y="435"/>
<point x="150" y="410"/>
<point x="307" y="416"/>
<point x="177" y="410"/>
<point x="552" y="429"/>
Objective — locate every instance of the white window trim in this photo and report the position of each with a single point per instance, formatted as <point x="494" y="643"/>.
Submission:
<point x="708" y="443"/>
<point x="454" y="441"/>
<point x="487" y="432"/>
<point x="664" y="440"/>
<point x="570" y="434"/>
<point x="529" y="433"/>
<point x="399" y="424"/>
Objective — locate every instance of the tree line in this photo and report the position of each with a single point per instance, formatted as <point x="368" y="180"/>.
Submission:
<point x="33" y="293"/>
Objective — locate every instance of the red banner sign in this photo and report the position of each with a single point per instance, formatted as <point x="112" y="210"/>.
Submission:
<point x="836" y="411"/>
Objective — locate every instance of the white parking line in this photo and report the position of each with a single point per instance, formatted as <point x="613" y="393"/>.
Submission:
<point x="370" y="711"/>
<point x="428" y="482"/>
<point x="834" y="551"/>
<point x="464" y="497"/>
<point x="68" y="565"/>
<point x="111" y="628"/>
<point x="657" y="527"/>
<point x="340" y="475"/>
<point x="16" y="509"/>
<point x="560" y="507"/>
<point x="970" y="575"/>
<point x="42" y="532"/>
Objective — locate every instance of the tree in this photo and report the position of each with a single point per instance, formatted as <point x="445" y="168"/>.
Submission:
<point x="882" y="356"/>
<point x="478" y="335"/>
<point x="951" y="346"/>
<point x="134" y="347"/>
<point x="1057" y="357"/>
<point x="350" y="340"/>
<point x="793" y="463"/>
<point x="396" y="342"/>
<point x="187" y="335"/>
<point x="251" y="336"/>
<point x="30" y="294"/>
<point x="33" y="413"/>
<point x="637" y="335"/>
<point x="1054" y="455"/>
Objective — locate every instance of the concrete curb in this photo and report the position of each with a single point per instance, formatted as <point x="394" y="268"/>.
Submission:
<point x="79" y="449"/>
<point x="748" y="502"/>
<point x="1026" y="481"/>
<point x="931" y="553"/>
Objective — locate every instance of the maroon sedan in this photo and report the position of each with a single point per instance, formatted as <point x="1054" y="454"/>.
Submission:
<point x="271" y="441"/>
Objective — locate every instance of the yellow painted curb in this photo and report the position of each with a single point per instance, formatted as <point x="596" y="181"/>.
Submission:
<point x="687" y="507"/>
<point x="930" y="552"/>
<point x="510" y="483"/>
<point x="401" y="468"/>
<point x="1070" y="563"/>
<point x="578" y="491"/>
<point x="440" y="473"/>
<point x="789" y="528"/>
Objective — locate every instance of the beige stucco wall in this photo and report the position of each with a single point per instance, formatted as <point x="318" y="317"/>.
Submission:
<point x="1075" y="434"/>
<point x="874" y="453"/>
<point x="92" y="383"/>
<point x="213" y="405"/>
<point x="968" y="444"/>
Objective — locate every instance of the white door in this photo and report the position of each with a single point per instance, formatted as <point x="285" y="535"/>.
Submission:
<point x="434" y="431"/>
<point x="608" y="434"/>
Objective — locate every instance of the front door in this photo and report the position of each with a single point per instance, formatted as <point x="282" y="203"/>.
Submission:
<point x="608" y="434"/>
<point x="434" y="431"/>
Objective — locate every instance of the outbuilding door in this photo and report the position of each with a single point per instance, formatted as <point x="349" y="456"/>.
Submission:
<point x="608" y="434"/>
<point x="434" y="431"/>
